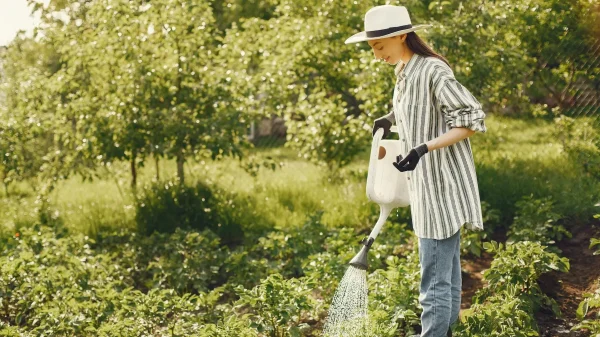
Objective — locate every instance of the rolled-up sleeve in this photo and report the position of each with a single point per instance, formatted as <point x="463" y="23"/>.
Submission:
<point x="459" y="106"/>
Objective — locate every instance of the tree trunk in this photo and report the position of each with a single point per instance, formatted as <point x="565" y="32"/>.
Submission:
<point x="5" y="183"/>
<point x="180" y="161"/>
<point x="133" y="173"/>
<point x="156" y="159"/>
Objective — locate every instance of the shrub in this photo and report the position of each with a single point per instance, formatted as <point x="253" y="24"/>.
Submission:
<point x="163" y="207"/>
<point x="286" y="249"/>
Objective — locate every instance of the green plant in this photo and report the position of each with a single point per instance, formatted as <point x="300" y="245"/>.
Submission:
<point x="520" y="265"/>
<point x="590" y="301"/>
<point x="277" y="305"/>
<point x="165" y="206"/>
<point x="393" y="292"/>
<point x="471" y="242"/>
<point x="581" y="141"/>
<point x="188" y="262"/>
<point x="595" y="243"/>
<point x="536" y="220"/>
<point x="503" y="314"/>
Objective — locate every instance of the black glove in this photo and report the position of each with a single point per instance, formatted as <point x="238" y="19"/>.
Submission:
<point x="410" y="162"/>
<point x="384" y="123"/>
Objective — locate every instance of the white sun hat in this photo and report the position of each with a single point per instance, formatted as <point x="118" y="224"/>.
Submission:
<point x="385" y="21"/>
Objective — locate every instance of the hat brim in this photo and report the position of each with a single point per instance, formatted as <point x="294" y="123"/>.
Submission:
<point x="362" y="36"/>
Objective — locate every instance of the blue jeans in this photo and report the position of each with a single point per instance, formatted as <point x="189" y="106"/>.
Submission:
<point x="441" y="284"/>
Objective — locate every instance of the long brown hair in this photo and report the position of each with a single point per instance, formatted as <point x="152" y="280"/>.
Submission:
<point x="417" y="45"/>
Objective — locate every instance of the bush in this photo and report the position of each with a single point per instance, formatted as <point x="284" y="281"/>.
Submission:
<point x="163" y="207"/>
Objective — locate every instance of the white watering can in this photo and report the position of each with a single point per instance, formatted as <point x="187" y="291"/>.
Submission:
<point x="386" y="186"/>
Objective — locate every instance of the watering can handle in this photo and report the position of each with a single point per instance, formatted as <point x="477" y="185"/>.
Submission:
<point x="373" y="158"/>
<point x="377" y="138"/>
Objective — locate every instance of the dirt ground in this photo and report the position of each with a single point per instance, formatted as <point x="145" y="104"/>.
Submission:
<point x="566" y="288"/>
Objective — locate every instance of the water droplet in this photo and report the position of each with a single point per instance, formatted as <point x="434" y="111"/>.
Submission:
<point x="348" y="313"/>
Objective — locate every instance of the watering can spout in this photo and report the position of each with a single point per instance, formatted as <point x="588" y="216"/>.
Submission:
<point x="360" y="260"/>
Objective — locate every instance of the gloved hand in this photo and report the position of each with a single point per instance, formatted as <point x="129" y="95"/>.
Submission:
<point x="384" y="123"/>
<point x="410" y="162"/>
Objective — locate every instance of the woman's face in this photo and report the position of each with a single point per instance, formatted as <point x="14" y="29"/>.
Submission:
<point x="388" y="49"/>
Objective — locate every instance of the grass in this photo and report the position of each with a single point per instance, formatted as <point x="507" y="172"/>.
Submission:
<point x="513" y="158"/>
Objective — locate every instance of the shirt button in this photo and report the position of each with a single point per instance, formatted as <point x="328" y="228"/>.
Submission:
<point x="408" y="178"/>
<point x="403" y="140"/>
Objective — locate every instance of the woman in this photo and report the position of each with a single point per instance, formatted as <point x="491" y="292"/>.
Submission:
<point x="435" y="115"/>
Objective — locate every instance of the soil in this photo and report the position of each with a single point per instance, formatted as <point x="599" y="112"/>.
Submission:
<point x="566" y="288"/>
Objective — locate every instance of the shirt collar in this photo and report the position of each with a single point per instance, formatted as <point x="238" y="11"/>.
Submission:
<point x="403" y="70"/>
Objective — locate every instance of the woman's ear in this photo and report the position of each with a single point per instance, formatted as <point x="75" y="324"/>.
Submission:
<point x="403" y="38"/>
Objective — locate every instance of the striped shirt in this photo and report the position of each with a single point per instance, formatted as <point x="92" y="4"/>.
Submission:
<point x="428" y="101"/>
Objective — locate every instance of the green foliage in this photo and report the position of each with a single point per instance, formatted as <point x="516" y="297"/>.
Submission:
<point x="581" y="141"/>
<point x="286" y="249"/>
<point x="591" y="300"/>
<point x="520" y="265"/>
<point x="595" y="243"/>
<point x="506" y="306"/>
<point x="160" y="76"/>
<point x="232" y="325"/>
<point x="328" y="268"/>
<point x="521" y="159"/>
<point x="392" y="292"/>
<point x="165" y="206"/>
<point x="303" y="73"/>
<point x="503" y="314"/>
<point x="278" y="305"/>
<point x="536" y="221"/>
<point x="252" y="164"/>
<point x="510" y="60"/>
<point x="67" y="285"/>
<point x="592" y="324"/>
<point x="471" y="242"/>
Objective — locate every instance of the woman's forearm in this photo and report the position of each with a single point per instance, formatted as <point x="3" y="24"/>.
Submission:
<point x="453" y="136"/>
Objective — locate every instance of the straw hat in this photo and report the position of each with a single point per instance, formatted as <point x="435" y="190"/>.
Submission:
<point x="385" y="21"/>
